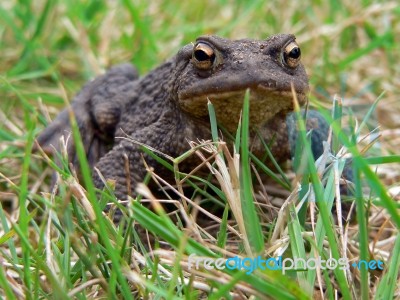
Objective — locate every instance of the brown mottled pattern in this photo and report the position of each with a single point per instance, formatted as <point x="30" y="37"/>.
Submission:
<point x="168" y="106"/>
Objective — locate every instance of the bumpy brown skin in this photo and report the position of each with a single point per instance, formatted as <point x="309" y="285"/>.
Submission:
<point x="168" y="107"/>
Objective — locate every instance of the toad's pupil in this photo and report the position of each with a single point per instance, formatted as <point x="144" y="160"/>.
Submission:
<point x="295" y="53"/>
<point x="200" y="55"/>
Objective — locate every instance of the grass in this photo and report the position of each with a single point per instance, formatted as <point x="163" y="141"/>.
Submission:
<point x="59" y="244"/>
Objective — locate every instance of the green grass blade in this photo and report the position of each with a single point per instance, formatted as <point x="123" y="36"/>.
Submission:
<point x="360" y="52"/>
<point x="320" y="233"/>
<point x="324" y="211"/>
<point x="166" y="230"/>
<point x="372" y="178"/>
<point x="379" y="160"/>
<point x="58" y="290"/>
<point x="5" y="286"/>
<point x="363" y="231"/>
<point x="213" y="122"/>
<point x="252" y="221"/>
<point x="222" y="233"/>
<point x="369" y="113"/>
<point x="297" y="246"/>
<point x="23" y="202"/>
<point x="102" y="231"/>
<point x="284" y="183"/>
<point x="387" y="286"/>
<point x="337" y="117"/>
<point x="223" y="292"/>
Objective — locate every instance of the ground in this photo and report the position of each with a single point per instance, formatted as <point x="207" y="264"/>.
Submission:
<point x="54" y="245"/>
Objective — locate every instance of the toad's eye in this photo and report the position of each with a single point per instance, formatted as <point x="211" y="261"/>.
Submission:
<point x="291" y="55"/>
<point x="203" y="56"/>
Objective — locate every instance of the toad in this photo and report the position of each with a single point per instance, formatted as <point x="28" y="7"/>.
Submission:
<point x="168" y="107"/>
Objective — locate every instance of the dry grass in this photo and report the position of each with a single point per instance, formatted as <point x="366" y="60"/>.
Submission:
<point x="349" y="49"/>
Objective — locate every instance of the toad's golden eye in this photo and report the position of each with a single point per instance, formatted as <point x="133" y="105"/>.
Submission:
<point x="203" y="56"/>
<point x="292" y="54"/>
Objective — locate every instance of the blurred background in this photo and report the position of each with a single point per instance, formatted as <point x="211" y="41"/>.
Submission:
<point x="50" y="48"/>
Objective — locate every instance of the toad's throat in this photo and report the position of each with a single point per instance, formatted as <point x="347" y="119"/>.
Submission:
<point x="265" y="104"/>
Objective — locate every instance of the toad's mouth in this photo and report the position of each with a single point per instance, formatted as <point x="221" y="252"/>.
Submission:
<point x="265" y="104"/>
<point x="260" y="80"/>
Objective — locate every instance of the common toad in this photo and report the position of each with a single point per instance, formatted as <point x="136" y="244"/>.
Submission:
<point x="168" y="107"/>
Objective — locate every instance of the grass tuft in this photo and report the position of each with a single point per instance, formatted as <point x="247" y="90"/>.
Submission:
<point x="59" y="243"/>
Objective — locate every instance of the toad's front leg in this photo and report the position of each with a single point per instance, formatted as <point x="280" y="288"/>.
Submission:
<point x="97" y="110"/>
